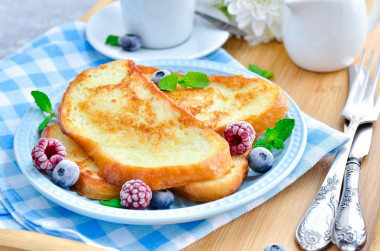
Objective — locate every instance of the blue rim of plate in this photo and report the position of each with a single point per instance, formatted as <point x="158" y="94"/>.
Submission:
<point x="27" y="136"/>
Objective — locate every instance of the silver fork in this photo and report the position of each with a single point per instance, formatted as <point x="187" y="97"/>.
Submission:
<point x="315" y="229"/>
<point x="349" y="230"/>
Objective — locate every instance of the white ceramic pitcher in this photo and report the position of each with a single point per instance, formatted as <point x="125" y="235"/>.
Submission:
<point x="327" y="35"/>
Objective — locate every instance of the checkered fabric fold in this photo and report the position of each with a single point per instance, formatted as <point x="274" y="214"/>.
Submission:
<point x="44" y="64"/>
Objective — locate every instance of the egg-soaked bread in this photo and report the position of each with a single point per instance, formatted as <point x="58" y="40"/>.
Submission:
<point x="205" y="191"/>
<point x="89" y="184"/>
<point x="93" y="186"/>
<point x="229" y="99"/>
<point x="132" y="130"/>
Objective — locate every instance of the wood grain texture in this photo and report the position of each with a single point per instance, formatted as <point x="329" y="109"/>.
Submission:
<point x="375" y="246"/>
<point x="95" y="8"/>
<point x="24" y="240"/>
<point x="321" y="95"/>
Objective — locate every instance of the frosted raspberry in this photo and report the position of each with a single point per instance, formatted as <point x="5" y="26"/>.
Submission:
<point x="135" y="194"/>
<point x="47" y="154"/>
<point x="240" y="136"/>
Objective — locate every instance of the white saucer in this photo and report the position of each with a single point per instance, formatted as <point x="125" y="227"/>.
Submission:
<point x="205" y="37"/>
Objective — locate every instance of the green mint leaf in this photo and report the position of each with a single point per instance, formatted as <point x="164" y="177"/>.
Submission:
<point x="194" y="80"/>
<point x="111" y="203"/>
<point x="271" y="134"/>
<point x="260" y="143"/>
<point x="46" y="121"/>
<point x="269" y="147"/>
<point x="284" y="128"/>
<point x="275" y="137"/>
<point x="113" y="40"/>
<point x="169" y="82"/>
<point x="42" y="101"/>
<point x="261" y="72"/>
<point x="278" y="144"/>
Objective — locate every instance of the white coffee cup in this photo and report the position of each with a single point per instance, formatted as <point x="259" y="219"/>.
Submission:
<point x="159" y="23"/>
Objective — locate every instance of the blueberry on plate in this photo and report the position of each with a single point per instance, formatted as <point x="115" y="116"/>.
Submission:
<point x="130" y="42"/>
<point x="275" y="247"/>
<point x="158" y="75"/>
<point x="66" y="173"/>
<point x="260" y="160"/>
<point x="162" y="199"/>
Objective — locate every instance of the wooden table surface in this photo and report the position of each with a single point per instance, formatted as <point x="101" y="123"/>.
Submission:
<point x="321" y="95"/>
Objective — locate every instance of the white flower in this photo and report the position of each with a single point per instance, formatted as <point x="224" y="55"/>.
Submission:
<point x="261" y="19"/>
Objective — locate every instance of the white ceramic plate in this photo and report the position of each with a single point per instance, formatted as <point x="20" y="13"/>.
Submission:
<point x="205" y="37"/>
<point x="182" y="210"/>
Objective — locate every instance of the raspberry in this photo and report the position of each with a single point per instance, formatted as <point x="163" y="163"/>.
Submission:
<point x="135" y="194"/>
<point x="47" y="154"/>
<point x="240" y="136"/>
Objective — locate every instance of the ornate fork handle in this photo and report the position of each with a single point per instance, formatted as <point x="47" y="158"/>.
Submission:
<point x="315" y="229"/>
<point x="349" y="231"/>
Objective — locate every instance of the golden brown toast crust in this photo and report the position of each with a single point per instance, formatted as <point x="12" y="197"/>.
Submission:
<point x="89" y="184"/>
<point x="216" y="189"/>
<point x="112" y="169"/>
<point x="93" y="186"/>
<point x="159" y="179"/>
<point x="198" y="101"/>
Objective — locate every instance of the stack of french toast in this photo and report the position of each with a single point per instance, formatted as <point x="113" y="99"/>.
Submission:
<point x="117" y="125"/>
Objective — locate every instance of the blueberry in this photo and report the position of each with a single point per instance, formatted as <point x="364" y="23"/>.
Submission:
<point x="158" y="75"/>
<point x="162" y="199"/>
<point x="260" y="160"/>
<point x="130" y="42"/>
<point x="66" y="173"/>
<point x="275" y="247"/>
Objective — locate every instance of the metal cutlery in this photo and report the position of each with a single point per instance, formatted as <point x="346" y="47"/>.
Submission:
<point x="349" y="230"/>
<point x="315" y="229"/>
<point x="222" y="25"/>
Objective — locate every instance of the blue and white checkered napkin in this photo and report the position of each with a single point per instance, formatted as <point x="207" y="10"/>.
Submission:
<point x="53" y="59"/>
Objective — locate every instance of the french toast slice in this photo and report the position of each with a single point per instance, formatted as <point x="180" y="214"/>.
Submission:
<point x="229" y="99"/>
<point x="132" y="130"/>
<point x="89" y="184"/>
<point x="93" y="186"/>
<point x="204" y="191"/>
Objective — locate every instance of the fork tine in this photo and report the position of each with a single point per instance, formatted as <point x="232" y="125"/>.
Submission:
<point x="374" y="80"/>
<point x="355" y="84"/>
<point x="362" y="58"/>
<point x="366" y="93"/>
